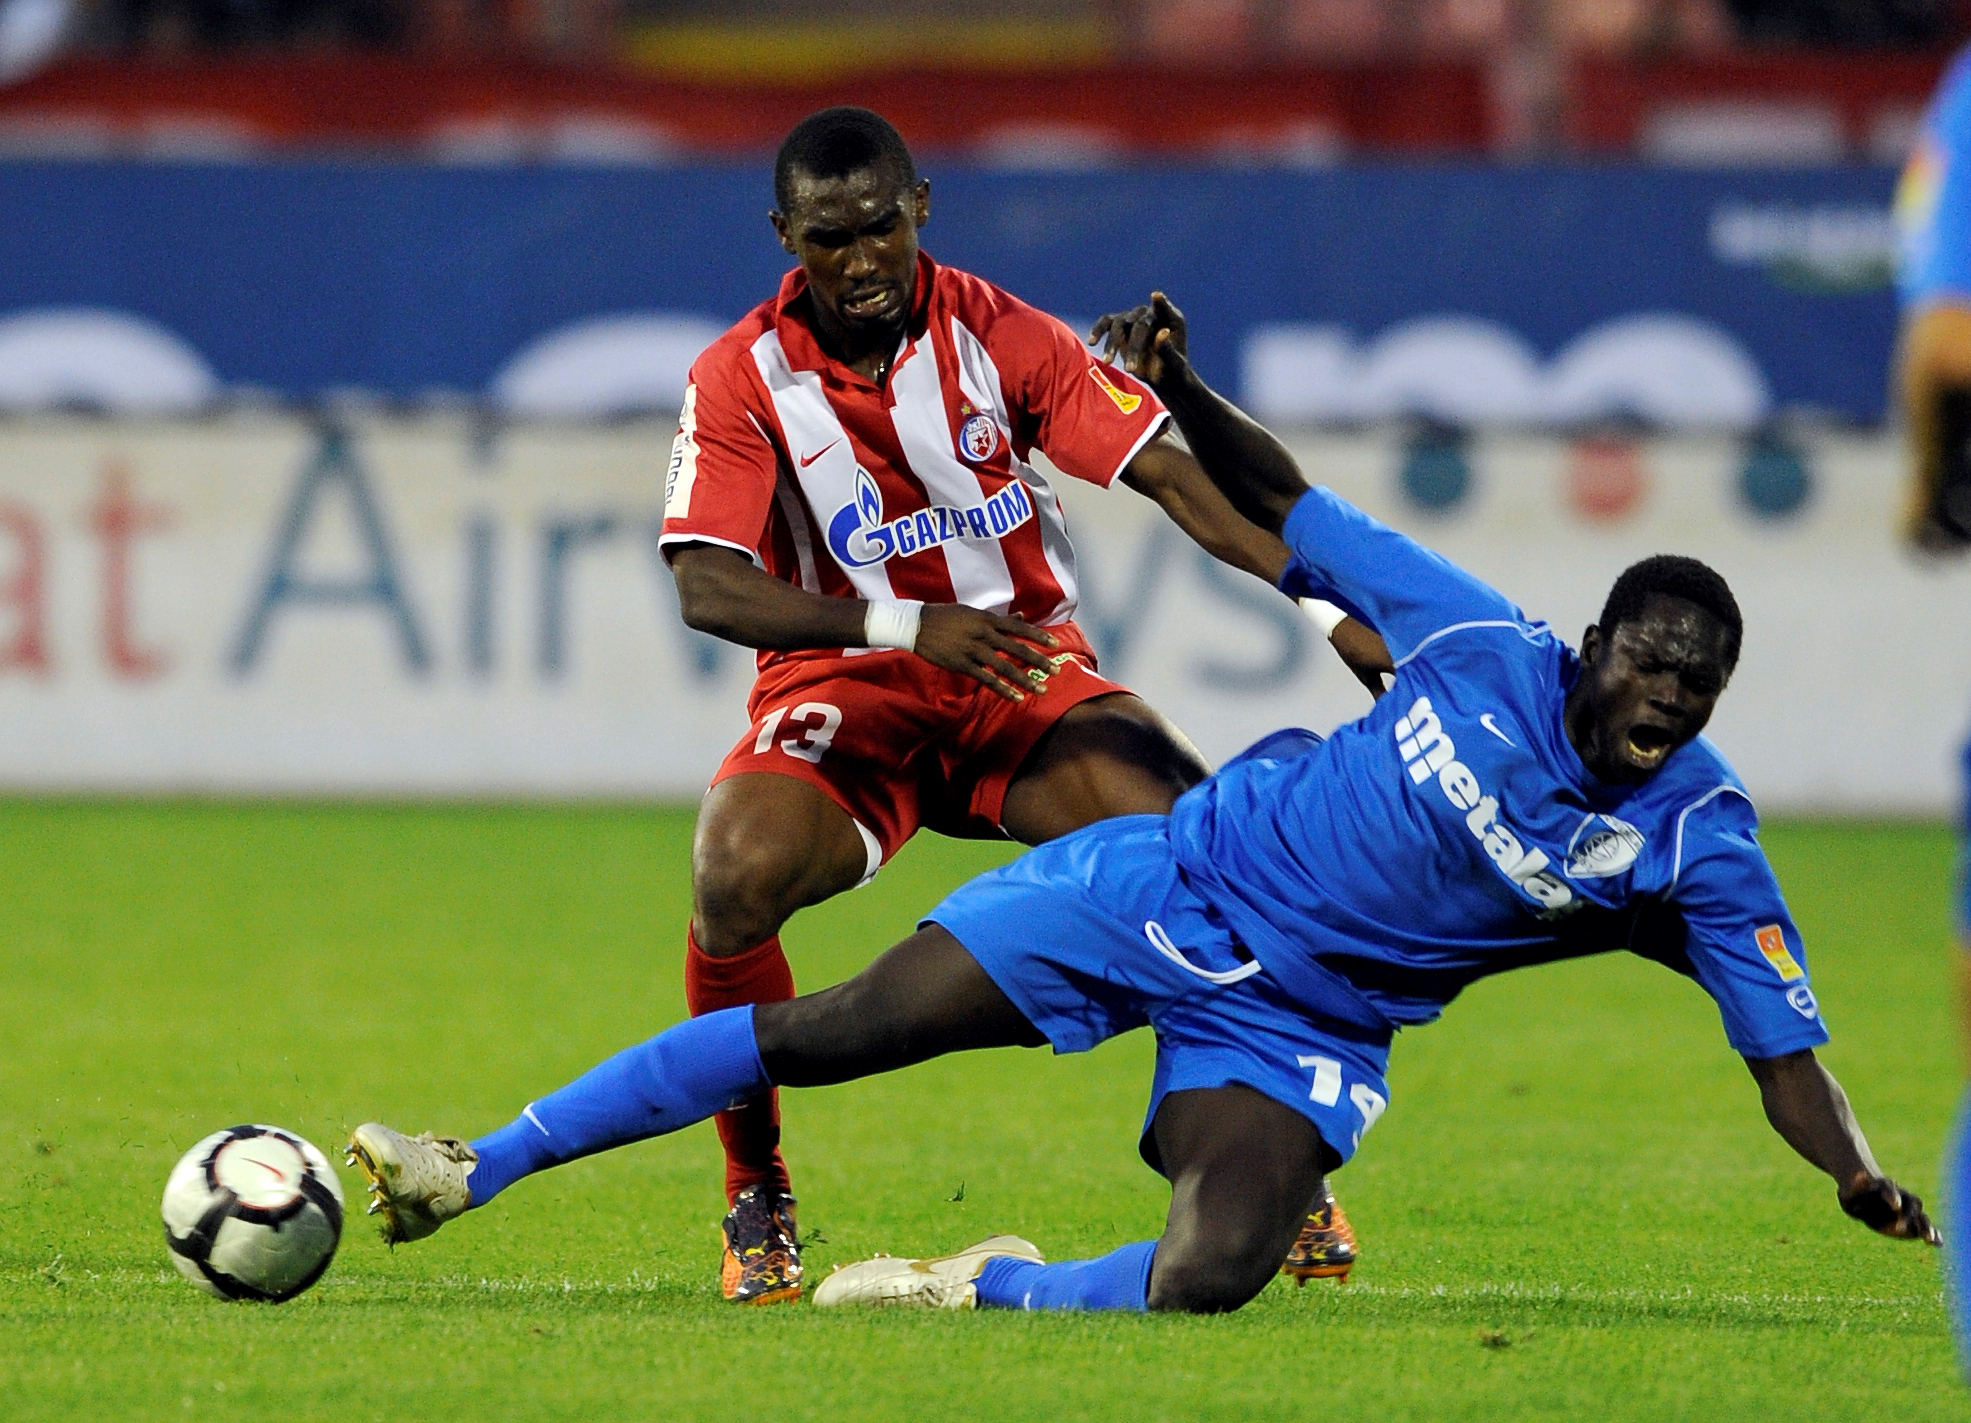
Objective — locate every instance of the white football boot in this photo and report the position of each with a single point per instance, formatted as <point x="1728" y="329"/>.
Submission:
<point x="943" y="1283"/>
<point x="417" y="1183"/>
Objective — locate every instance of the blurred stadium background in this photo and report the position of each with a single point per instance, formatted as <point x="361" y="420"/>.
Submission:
<point x="340" y="342"/>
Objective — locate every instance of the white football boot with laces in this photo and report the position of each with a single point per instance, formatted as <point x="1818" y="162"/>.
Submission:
<point x="417" y="1183"/>
<point x="942" y="1283"/>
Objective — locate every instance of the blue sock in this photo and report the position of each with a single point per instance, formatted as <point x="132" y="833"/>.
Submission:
<point x="1117" y="1280"/>
<point x="681" y="1076"/>
<point x="1957" y="1233"/>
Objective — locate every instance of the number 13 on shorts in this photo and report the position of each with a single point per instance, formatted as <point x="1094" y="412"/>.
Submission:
<point x="1327" y="1090"/>
<point x="814" y="725"/>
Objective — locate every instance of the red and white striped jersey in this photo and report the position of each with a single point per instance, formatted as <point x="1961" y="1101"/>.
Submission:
<point x="922" y="488"/>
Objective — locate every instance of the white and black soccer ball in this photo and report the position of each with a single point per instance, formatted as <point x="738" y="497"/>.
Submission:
<point x="253" y="1212"/>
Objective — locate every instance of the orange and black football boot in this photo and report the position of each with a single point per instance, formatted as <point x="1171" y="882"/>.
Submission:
<point x="762" y="1262"/>
<point x="1326" y="1247"/>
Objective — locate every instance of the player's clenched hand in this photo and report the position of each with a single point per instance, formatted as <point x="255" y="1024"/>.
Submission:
<point x="1148" y="341"/>
<point x="1000" y="651"/>
<point x="1887" y="1209"/>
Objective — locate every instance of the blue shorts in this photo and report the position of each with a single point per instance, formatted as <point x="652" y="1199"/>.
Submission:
<point x="1097" y="933"/>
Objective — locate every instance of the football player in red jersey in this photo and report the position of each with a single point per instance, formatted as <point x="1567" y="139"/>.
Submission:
<point x="851" y="492"/>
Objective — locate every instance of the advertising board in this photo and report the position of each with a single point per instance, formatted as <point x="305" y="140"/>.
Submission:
<point x="1469" y="293"/>
<point x="441" y="606"/>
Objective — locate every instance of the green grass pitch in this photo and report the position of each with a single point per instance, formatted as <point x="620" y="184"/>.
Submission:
<point x="1572" y="1210"/>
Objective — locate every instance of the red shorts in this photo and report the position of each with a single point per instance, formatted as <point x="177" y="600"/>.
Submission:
<point x="899" y="743"/>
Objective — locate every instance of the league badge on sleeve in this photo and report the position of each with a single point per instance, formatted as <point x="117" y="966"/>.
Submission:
<point x="978" y="437"/>
<point x="1772" y="943"/>
<point x="1126" y="401"/>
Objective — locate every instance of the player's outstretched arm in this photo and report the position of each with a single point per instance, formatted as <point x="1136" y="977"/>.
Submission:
<point x="1359" y="646"/>
<point x="1808" y="1108"/>
<point x="1180" y="487"/>
<point x="1167" y="474"/>
<point x="1240" y="455"/>
<point x="722" y="593"/>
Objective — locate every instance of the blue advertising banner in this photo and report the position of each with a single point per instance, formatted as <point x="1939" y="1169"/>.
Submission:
<point x="1472" y="293"/>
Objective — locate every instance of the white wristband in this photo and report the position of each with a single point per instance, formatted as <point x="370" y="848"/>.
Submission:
<point x="893" y="624"/>
<point x="1324" y="615"/>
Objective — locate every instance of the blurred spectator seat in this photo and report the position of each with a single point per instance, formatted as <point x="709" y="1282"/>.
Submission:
<point x="1639" y="27"/>
<point x="1197" y="31"/>
<point x="1742" y="107"/>
<point x="1845" y="24"/>
<point x="1725" y="133"/>
<point x="1331" y="30"/>
<point x="1042" y="147"/>
<point x="515" y="110"/>
<point x="1467" y="27"/>
<point x="177" y="27"/>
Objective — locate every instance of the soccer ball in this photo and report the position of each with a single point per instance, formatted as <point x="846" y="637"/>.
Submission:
<point x="253" y="1212"/>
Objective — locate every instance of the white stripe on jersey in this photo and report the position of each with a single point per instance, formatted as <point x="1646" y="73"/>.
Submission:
<point x="1677" y="864"/>
<point x="824" y="459"/>
<point x="978" y="377"/>
<point x="801" y="531"/>
<point x="979" y="576"/>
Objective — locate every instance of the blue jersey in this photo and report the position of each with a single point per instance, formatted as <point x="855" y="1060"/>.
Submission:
<point x="1933" y="198"/>
<point x="1454" y="832"/>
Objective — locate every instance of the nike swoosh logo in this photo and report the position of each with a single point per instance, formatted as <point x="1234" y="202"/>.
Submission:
<point x="807" y="460"/>
<point x="1485" y="720"/>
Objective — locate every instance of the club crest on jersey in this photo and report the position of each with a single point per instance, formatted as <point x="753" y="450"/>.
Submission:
<point x="858" y="535"/>
<point x="1125" y="401"/>
<point x="978" y="437"/>
<point x="1603" y="846"/>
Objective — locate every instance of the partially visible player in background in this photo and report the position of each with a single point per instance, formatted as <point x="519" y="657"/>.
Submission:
<point x="1933" y="377"/>
<point x="1933" y="211"/>
<point x="852" y="493"/>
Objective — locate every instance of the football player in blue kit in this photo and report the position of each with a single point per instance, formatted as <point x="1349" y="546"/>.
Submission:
<point x="1508" y="802"/>
<point x="1933" y="378"/>
<point x="1933" y="368"/>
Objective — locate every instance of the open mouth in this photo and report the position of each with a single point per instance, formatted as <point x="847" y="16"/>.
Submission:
<point x="1649" y="745"/>
<point x="866" y="306"/>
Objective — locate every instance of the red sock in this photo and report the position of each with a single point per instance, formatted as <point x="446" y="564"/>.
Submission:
<point x="750" y="1133"/>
